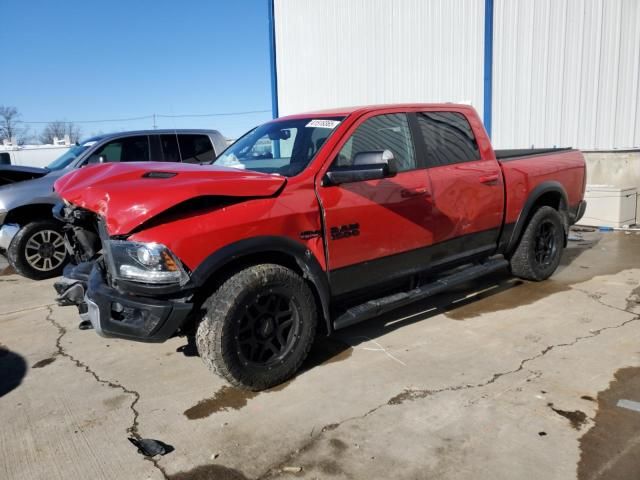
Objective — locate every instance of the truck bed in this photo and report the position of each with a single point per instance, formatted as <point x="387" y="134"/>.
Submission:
<point x="524" y="170"/>
<point x="513" y="153"/>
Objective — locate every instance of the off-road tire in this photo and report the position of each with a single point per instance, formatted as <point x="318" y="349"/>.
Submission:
<point x="224" y="310"/>
<point x="17" y="254"/>
<point x="523" y="262"/>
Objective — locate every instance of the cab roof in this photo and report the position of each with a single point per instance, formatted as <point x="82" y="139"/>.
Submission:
<point x="362" y="109"/>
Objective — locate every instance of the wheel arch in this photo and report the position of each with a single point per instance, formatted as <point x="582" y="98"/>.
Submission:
<point x="266" y="249"/>
<point x="549" y="193"/>
<point x="28" y="213"/>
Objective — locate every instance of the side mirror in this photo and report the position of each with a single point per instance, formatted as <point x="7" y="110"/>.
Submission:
<point x="94" y="159"/>
<point x="366" y="166"/>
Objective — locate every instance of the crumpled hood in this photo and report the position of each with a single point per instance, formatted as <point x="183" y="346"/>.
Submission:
<point x="129" y="194"/>
<point x="18" y="173"/>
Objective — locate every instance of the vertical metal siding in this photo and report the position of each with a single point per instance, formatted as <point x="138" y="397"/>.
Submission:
<point x="566" y="72"/>
<point x="348" y="52"/>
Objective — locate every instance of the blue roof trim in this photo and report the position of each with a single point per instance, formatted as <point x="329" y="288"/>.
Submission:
<point x="272" y="58"/>
<point x="488" y="64"/>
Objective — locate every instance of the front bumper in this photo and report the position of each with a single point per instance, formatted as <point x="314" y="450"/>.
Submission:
<point x="7" y="232"/>
<point x="116" y="314"/>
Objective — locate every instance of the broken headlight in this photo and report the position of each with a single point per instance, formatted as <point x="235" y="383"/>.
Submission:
<point x="145" y="263"/>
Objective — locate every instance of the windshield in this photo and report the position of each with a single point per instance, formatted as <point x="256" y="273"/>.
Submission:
<point x="285" y="147"/>
<point x="69" y="156"/>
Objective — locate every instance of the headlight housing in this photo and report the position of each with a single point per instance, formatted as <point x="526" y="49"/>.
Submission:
<point x="145" y="263"/>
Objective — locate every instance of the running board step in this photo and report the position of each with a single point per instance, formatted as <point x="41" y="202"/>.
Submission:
<point x="378" y="306"/>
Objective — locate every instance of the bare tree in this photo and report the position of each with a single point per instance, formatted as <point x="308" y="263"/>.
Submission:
<point x="58" y="129"/>
<point x="10" y="125"/>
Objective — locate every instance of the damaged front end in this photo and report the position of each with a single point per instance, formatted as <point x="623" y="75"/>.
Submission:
<point x="108" y="282"/>
<point x="84" y="247"/>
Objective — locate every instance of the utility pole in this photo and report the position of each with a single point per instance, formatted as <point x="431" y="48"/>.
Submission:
<point x="154" y="122"/>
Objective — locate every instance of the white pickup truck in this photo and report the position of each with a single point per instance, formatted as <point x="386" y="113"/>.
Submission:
<point x="31" y="155"/>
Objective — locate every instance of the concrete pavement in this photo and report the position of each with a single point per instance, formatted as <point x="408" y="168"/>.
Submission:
<point x="501" y="379"/>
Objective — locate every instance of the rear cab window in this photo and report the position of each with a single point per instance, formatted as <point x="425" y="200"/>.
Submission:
<point x="5" y="158"/>
<point x="448" y="138"/>
<point x="196" y="148"/>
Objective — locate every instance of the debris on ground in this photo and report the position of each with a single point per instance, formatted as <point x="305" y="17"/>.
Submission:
<point x="291" y="469"/>
<point x="150" y="447"/>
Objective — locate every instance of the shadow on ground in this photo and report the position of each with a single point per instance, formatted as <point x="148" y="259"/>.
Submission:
<point x="13" y="368"/>
<point x="495" y="292"/>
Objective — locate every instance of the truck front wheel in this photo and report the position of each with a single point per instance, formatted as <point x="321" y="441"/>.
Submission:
<point x="38" y="251"/>
<point x="258" y="327"/>
<point x="538" y="253"/>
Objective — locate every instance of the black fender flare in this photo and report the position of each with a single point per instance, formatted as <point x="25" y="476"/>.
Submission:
<point x="304" y="258"/>
<point x="540" y="190"/>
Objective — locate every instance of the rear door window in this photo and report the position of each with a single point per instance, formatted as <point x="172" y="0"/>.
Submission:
<point x="447" y="137"/>
<point x="196" y="148"/>
<point x="5" y="158"/>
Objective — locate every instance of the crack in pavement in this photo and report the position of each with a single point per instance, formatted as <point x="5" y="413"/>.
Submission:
<point x="28" y="309"/>
<point x="414" y="394"/>
<point x="133" y="430"/>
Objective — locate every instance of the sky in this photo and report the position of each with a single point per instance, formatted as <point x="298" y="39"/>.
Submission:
<point x="94" y="60"/>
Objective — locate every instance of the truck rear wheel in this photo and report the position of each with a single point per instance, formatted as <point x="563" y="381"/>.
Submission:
<point x="258" y="327"/>
<point x="38" y="251"/>
<point x="538" y="253"/>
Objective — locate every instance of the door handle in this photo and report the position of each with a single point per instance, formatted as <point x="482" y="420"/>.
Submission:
<point x="414" y="192"/>
<point x="491" y="179"/>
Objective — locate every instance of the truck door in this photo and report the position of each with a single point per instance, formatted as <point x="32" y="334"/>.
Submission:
<point x="376" y="230"/>
<point x="467" y="189"/>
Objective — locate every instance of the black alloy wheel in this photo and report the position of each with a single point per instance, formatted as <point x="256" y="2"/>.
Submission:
<point x="539" y="250"/>
<point x="545" y="243"/>
<point x="268" y="329"/>
<point x="258" y="326"/>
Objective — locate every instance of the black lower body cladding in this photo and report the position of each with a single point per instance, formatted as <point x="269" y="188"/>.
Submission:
<point x="116" y="314"/>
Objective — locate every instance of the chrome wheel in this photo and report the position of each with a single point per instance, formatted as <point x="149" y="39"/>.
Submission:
<point x="45" y="250"/>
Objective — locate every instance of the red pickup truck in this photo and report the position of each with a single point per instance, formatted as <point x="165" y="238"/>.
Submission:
<point x="308" y="222"/>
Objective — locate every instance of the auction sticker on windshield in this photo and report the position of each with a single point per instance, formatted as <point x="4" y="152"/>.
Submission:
<point x="323" y="124"/>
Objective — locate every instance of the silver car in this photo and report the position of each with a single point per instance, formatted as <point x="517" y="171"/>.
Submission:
<point x="31" y="238"/>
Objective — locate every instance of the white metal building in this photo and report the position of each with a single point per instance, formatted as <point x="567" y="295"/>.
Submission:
<point x="541" y="73"/>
